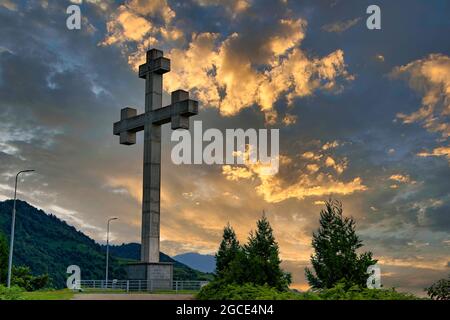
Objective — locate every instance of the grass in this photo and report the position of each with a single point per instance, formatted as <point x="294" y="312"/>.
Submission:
<point x="64" y="294"/>
<point x="15" y="293"/>
<point x="100" y="290"/>
<point x="67" y="294"/>
<point x="106" y="291"/>
<point x="178" y="292"/>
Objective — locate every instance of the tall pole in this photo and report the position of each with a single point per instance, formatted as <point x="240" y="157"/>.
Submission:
<point x="13" y="223"/>
<point x="107" y="250"/>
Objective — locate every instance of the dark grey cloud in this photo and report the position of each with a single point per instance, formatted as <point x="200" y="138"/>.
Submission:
<point x="60" y="92"/>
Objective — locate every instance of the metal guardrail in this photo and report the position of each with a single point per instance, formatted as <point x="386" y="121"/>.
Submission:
<point x="138" y="285"/>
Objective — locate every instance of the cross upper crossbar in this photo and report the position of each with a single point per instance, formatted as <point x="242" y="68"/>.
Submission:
<point x="177" y="113"/>
<point x="155" y="62"/>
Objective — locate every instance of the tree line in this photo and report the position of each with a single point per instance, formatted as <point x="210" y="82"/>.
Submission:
<point x="335" y="261"/>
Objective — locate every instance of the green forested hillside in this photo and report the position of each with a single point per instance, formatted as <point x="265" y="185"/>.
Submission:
<point x="49" y="245"/>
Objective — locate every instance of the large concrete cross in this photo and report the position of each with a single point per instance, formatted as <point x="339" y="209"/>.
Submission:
<point x="178" y="114"/>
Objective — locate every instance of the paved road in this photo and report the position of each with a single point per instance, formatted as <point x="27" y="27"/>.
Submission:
<point x="131" y="296"/>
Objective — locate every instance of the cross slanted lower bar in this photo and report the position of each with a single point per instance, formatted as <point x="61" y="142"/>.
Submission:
<point x="177" y="113"/>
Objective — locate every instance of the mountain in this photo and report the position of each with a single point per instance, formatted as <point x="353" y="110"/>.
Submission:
<point x="197" y="261"/>
<point x="49" y="245"/>
<point x="132" y="251"/>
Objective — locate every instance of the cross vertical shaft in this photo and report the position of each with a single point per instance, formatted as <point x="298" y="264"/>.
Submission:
<point x="178" y="114"/>
<point x="152" y="166"/>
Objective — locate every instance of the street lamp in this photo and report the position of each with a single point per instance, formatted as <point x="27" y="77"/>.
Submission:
<point x="13" y="222"/>
<point x="107" y="249"/>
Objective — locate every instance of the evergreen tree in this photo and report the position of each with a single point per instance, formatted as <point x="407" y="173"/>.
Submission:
<point x="335" y="258"/>
<point x="440" y="290"/>
<point x="263" y="261"/>
<point x="256" y="263"/>
<point x="228" y="250"/>
<point x="4" y="251"/>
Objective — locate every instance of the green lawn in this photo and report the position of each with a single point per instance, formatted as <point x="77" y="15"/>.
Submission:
<point x="99" y="290"/>
<point x="174" y="292"/>
<point x="67" y="294"/>
<point x="64" y="294"/>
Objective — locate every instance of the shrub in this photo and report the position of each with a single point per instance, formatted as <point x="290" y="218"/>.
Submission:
<point x="13" y="293"/>
<point x="221" y="291"/>
<point x="340" y="292"/>
<point x="22" y="277"/>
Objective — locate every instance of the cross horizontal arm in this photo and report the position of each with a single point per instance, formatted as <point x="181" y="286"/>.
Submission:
<point x="185" y="108"/>
<point x="177" y="113"/>
<point x="160" y="65"/>
<point x="133" y="124"/>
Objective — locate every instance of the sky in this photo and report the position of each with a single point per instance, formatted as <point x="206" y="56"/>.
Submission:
<point x="363" y="118"/>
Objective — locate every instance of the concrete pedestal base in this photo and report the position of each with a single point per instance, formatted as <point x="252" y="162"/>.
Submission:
<point x="153" y="275"/>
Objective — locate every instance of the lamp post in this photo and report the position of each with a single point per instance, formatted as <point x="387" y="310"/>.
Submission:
<point x="107" y="249"/>
<point x="13" y="222"/>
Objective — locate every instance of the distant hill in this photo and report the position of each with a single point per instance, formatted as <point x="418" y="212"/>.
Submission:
<point x="197" y="261"/>
<point x="132" y="251"/>
<point x="48" y="244"/>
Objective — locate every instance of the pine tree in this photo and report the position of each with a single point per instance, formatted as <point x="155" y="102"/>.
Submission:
<point x="3" y="259"/>
<point x="228" y="250"/>
<point x="440" y="290"/>
<point x="263" y="261"/>
<point x="335" y="258"/>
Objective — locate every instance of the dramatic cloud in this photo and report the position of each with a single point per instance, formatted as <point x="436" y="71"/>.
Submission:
<point x="437" y="152"/>
<point x="131" y="27"/>
<point x="127" y="26"/>
<point x="340" y="26"/>
<point x="233" y="7"/>
<point x="401" y="178"/>
<point x="9" y="4"/>
<point x="210" y="68"/>
<point x="315" y="180"/>
<point x="221" y="72"/>
<point x="251" y="64"/>
<point x="289" y="119"/>
<point x="431" y="78"/>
